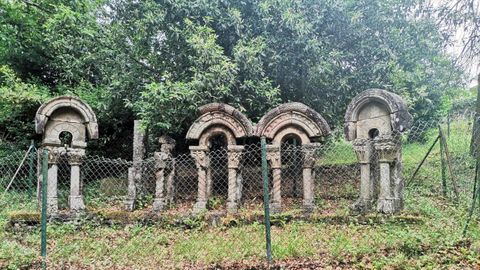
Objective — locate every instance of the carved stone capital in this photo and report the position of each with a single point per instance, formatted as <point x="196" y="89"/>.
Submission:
<point x="75" y="156"/>
<point x="54" y="154"/>
<point x="386" y="147"/>
<point x="234" y="156"/>
<point x="160" y="160"/>
<point x="363" y="149"/>
<point x="309" y="156"/>
<point x="167" y="144"/>
<point x="274" y="156"/>
<point x="200" y="154"/>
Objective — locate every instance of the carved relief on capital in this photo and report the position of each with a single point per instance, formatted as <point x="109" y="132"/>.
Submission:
<point x="364" y="150"/>
<point x="200" y="154"/>
<point x="387" y="148"/>
<point x="274" y="156"/>
<point x="54" y="154"/>
<point x="234" y="156"/>
<point x="160" y="160"/>
<point x="75" y="156"/>
<point x="309" y="154"/>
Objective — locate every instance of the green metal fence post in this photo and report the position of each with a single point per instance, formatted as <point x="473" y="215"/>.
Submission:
<point x="43" y="245"/>
<point x="266" y="199"/>
<point x="443" y="163"/>
<point x="31" y="167"/>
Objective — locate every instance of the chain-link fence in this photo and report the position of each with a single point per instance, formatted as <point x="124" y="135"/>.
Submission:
<point x="436" y="158"/>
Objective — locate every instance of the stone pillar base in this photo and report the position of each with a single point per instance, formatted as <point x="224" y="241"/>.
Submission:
<point x="158" y="205"/>
<point x="76" y="203"/>
<point x="52" y="206"/>
<point x="129" y="204"/>
<point x="361" y="206"/>
<point x="387" y="206"/>
<point x="275" y="207"/>
<point x="199" y="207"/>
<point x="232" y="207"/>
<point x="308" y="207"/>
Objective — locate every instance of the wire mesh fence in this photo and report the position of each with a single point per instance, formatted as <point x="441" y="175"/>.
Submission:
<point x="433" y="166"/>
<point x="336" y="173"/>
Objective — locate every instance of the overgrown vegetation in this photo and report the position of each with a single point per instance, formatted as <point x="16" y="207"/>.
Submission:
<point x="160" y="60"/>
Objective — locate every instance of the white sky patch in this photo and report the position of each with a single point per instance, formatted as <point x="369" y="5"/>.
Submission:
<point x="472" y="67"/>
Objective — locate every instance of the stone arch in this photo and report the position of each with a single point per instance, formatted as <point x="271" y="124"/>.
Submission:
<point x="74" y="116"/>
<point x="292" y="118"/>
<point x="382" y="104"/>
<point x="214" y="131"/>
<point x="373" y="120"/>
<point x="220" y="117"/>
<point x="67" y="103"/>
<point x="293" y="130"/>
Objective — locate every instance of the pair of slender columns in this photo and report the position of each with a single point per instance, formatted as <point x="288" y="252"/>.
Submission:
<point x="202" y="162"/>
<point x="390" y="196"/>
<point x="74" y="157"/>
<point x="274" y="157"/>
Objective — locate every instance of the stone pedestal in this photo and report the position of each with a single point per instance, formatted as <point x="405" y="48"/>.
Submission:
<point x="274" y="157"/>
<point x="76" y="198"/>
<point x="234" y="157"/>
<point x="200" y="154"/>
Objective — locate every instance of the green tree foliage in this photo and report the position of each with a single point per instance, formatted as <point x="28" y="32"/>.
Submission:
<point x="160" y="60"/>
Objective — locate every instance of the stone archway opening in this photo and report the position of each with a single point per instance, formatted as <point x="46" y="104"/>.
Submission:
<point x="292" y="161"/>
<point x="217" y="189"/>
<point x="66" y="138"/>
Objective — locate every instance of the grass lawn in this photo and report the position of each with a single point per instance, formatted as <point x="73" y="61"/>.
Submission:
<point x="434" y="241"/>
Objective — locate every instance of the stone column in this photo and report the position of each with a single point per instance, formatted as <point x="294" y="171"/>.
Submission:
<point x="208" y="180"/>
<point x="308" y="180"/>
<point x="167" y="146"/>
<point x="234" y="157"/>
<point x="52" y="191"/>
<point x="399" y="184"/>
<point x="135" y="172"/>
<point x="160" y="165"/>
<point x="364" y="150"/>
<point x="200" y="154"/>
<point x="387" y="152"/>
<point x="274" y="157"/>
<point x="75" y="199"/>
<point x="170" y="185"/>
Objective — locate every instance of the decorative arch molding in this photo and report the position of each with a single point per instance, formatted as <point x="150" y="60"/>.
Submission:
<point x="295" y="116"/>
<point x="57" y="128"/>
<point x="83" y="109"/>
<point x="220" y="115"/>
<point x="215" y="131"/>
<point x="397" y="110"/>
<point x="285" y="132"/>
